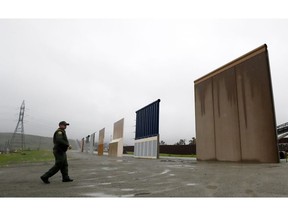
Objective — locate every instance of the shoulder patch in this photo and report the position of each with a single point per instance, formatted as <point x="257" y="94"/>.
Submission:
<point x="59" y="132"/>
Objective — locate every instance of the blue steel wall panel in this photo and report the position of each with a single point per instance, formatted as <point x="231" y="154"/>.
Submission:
<point x="147" y="121"/>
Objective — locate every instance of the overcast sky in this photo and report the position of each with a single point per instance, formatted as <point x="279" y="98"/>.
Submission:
<point x="93" y="72"/>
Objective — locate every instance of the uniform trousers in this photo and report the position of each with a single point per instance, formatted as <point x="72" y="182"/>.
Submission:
<point x="60" y="164"/>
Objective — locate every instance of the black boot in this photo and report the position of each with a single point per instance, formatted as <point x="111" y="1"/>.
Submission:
<point x="45" y="180"/>
<point x="67" y="179"/>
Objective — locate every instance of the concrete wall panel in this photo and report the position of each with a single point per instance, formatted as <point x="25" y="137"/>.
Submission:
<point x="116" y="145"/>
<point x="118" y="129"/>
<point x="147" y="148"/>
<point x="234" y="108"/>
<point x="113" y="150"/>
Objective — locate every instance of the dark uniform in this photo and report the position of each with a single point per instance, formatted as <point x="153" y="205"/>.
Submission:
<point x="61" y="145"/>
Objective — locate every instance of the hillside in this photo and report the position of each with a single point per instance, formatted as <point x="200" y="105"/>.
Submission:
<point x="33" y="142"/>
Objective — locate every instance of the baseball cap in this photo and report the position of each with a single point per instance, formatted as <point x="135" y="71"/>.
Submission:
<point x="63" y="123"/>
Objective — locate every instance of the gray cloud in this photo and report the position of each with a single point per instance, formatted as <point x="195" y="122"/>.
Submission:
<point x="93" y="72"/>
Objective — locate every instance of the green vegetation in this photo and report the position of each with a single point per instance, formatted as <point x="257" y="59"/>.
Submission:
<point x="176" y="155"/>
<point x="26" y="157"/>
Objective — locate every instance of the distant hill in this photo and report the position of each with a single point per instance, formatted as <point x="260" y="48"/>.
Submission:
<point x="33" y="142"/>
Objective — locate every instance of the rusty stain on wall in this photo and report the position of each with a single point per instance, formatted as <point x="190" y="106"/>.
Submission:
<point x="202" y="91"/>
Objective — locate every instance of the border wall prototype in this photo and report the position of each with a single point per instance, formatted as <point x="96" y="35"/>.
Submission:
<point x="147" y="131"/>
<point x="234" y="109"/>
<point x="116" y="145"/>
<point x="92" y="142"/>
<point x="100" y="148"/>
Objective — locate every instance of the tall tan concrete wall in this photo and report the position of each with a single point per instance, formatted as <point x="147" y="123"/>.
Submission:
<point x="234" y="108"/>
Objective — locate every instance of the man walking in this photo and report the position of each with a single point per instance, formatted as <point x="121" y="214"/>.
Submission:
<point x="61" y="145"/>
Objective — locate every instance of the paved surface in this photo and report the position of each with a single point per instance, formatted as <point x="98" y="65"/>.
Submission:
<point x="127" y="176"/>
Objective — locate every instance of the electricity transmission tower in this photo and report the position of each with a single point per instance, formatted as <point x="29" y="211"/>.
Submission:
<point x="18" y="137"/>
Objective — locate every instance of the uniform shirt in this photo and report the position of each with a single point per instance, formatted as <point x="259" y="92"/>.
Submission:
<point x="60" y="140"/>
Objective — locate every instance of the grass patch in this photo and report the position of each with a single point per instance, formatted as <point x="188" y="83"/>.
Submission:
<point x="177" y="155"/>
<point x="26" y="157"/>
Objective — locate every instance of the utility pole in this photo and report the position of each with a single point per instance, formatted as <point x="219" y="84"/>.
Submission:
<point x="18" y="137"/>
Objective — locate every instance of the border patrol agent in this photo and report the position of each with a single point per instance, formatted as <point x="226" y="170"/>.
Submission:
<point x="61" y="145"/>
